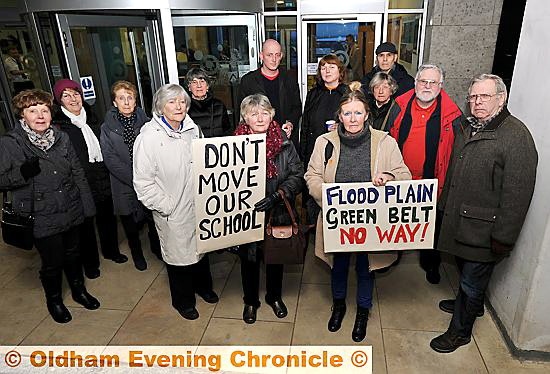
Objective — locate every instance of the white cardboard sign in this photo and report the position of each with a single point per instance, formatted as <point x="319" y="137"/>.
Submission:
<point x="229" y="179"/>
<point x="362" y="217"/>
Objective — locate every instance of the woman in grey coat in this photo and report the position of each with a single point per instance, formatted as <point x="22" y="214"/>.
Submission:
<point x="39" y="165"/>
<point x="121" y="127"/>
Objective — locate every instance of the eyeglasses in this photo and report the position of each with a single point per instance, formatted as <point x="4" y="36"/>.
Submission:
<point x="427" y="82"/>
<point x="483" y="97"/>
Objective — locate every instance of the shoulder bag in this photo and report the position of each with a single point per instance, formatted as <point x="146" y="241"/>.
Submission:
<point x="17" y="229"/>
<point x="284" y="244"/>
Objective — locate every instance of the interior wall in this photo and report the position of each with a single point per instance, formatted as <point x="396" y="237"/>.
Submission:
<point x="461" y="37"/>
<point x="519" y="287"/>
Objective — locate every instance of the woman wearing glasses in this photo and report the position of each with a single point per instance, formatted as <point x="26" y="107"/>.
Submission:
<point x="352" y="160"/>
<point x="207" y="111"/>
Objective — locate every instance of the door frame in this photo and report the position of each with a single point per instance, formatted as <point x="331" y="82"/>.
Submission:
<point x="66" y="21"/>
<point x="306" y="19"/>
<point x="248" y="20"/>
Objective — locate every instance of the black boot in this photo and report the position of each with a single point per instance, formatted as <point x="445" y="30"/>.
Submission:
<point x="73" y="271"/>
<point x="338" y="313"/>
<point x="137" y="256"/>
<point x="54" y="298"/>
<point x="360" y="327"/>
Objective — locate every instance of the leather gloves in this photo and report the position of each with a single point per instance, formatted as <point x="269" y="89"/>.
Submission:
<point x="30" y="168"/>
<point x="500" y="249"/>
<point x="267" y="202"/>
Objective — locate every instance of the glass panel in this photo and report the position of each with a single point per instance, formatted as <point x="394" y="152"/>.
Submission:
<point x="406" y="4"/>
<point x="283" y="29"/>
<point x="222" y="51"/>
<point x="279" y="5"/>
<point x="18" y="60"/>
<point x="51" y="52"/>
<point x="403" y="31"/>
<point x="325" y="38"/>
<point x="105" y="53"/>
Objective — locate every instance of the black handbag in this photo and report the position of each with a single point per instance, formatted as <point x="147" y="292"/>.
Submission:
<point x="284" y="244"/>
<point x="17" y="229"/>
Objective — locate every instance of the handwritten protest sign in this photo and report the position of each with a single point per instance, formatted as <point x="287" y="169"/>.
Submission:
<point x="229" y="180"/>
<point x="362" y="217"/>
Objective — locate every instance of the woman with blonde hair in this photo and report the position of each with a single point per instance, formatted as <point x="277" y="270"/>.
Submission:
<point x="359" y="154"/>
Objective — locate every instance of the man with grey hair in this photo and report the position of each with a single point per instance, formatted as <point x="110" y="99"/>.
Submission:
<point x="490" y="182"/>
<point x="423" y="122"/>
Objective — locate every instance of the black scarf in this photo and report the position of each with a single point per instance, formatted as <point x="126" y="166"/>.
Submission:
<point x="128" y="133"/>
<point x="433" y="131"/>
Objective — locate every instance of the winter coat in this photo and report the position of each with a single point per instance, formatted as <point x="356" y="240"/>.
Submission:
<point x="62" y="197"/>
<point x="379" y="115"/>
<point x="116" y="157"/>
<point x="405" y="82"/>
<point x="451" y="117"/>
<point x="96" y="172"/>
<point x="321" y="106"/>
<point x="164" y="183"/>
<point x="385" y="157"/>
<point x="289" y="97"/>
<point x="489" y="187"/>
<point x="211" y="115"/>
<point x="290" y="174"/>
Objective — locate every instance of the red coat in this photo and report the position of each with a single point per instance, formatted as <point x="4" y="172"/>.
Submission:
<point x="450" y="118"/>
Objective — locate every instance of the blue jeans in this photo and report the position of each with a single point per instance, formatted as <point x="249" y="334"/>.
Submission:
<point x="474" y="279"/>
<point x="365" y="279"/>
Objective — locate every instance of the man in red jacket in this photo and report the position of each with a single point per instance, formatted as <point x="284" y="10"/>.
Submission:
<point x="422" y="122"/>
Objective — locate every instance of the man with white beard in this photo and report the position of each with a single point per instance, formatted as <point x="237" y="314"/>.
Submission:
<point x="423" y="122"/>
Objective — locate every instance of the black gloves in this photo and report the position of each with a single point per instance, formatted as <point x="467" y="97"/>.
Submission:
<point x="499" y="248"/>
<point x="267" y="202"/>
<point x="30" y="168"/>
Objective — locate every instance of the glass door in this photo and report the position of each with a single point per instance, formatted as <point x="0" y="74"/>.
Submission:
<point x="224" y="46"/>
<point x="353" y="38"/>
<point x="108" y="49"/>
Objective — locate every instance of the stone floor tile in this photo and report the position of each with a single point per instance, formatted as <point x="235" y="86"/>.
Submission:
<point x="88" y="327"/>
<point x="226" y="331"/>
<point x="409" y="352"/>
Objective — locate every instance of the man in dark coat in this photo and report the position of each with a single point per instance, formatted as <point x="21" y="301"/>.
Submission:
<point x="489" y="187"/>
<point x="386" y="61"/>
<point x="280" y="88"/>
<point x="423" y="122"/>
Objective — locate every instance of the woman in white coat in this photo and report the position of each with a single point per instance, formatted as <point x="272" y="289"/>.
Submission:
<point x="163" y="181"/>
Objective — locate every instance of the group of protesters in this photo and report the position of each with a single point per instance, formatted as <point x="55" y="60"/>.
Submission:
<point x="75" y="173"/>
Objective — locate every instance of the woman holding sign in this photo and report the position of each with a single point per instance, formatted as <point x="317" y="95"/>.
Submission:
<point x="359" y="154"/>
<point x="284" y="172"/>
<point x="163" y="180"/>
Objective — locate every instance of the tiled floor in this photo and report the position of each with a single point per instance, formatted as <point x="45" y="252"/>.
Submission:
<point x="136" y="310"/>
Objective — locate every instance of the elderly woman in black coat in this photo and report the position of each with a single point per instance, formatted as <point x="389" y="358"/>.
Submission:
<point x="39" y="165"/>
<point x="206" y="111"/>
<point x="79" y="122"/>
<point x="118" y="133"/>
<point x="284" y="171"/>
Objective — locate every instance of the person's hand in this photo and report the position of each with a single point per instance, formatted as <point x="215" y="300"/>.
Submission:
<point x="287" y="128"/>
<point x="267" y="202"/>
<point x="381" y="179"/>
<point x="499" y="248"/>
<point x="30" y="168"/>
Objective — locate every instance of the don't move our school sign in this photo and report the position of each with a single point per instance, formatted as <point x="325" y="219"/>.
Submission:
<point x="362" y="217"/>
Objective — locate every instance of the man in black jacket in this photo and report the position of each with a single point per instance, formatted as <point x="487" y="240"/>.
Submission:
<point x="386" y="61"/>
<point x="281" y="89"/>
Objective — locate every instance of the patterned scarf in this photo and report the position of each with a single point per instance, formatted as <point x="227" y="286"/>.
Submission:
<point x="43" y="141"/>
<point x="274" y="144"/>
<point x="128" y="133"/>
